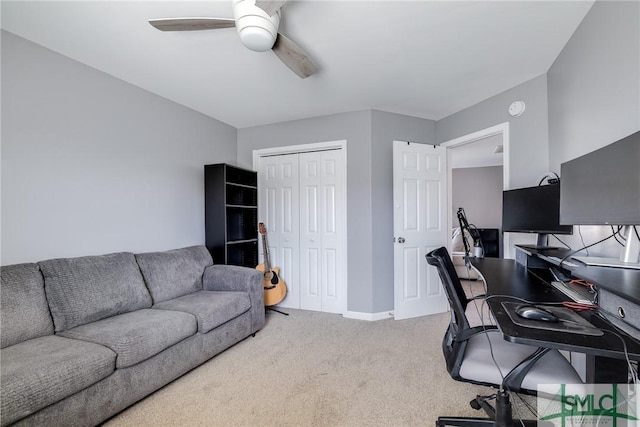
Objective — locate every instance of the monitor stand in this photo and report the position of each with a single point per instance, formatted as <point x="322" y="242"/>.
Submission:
<point x="539" y="248"/>
<point x="542" y="242"/>
<point x="628" y="257"/>
<point x="606" y="262"/>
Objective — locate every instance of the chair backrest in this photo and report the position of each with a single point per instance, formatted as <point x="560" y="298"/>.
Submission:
<point x="453" y="350"/>
<point x="451" y="282"/>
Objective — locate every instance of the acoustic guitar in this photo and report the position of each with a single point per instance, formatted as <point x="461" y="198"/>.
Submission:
<point x="274" y="287"/>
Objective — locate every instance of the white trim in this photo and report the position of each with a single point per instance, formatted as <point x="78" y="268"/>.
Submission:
<point x="319" y="146"/>
<point x="372" y="317"/>
<point x="301" y="148"/>
<point x="500" y="129"/>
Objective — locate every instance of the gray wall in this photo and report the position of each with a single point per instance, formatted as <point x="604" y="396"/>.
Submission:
<point x="594" y="84"/>
<point x="369" y="136"/>
<point x="594" y="94"/>
<point x="479" y="192"/>
<point x="91" y="164"/>
<point x="529" y="136"/>
<point x="589" y="98"/>
<point x="355" y="128"/>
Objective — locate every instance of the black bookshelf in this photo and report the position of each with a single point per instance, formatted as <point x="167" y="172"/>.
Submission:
<point x="490" y="241"/>
<point x="231" y="214"/>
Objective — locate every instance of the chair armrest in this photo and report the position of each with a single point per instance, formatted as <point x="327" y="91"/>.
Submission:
<point x="513" y="379"/>
<point x="468" y="333"/>
<point x="240" y="279"/>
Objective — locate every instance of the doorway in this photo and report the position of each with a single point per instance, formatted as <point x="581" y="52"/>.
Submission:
<point x="302" y="201"/>
<point x="498" y="135"/>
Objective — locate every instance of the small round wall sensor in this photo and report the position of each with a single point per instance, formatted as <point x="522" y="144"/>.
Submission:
<point x="516" y="108"/>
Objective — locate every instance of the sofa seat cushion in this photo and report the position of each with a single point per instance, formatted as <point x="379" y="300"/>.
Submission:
<point x="211" y="308"/>
<point x="42" y="371"/>
<point x="138" y="335"/>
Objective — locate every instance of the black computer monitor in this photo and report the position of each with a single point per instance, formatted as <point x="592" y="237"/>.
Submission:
<point x="603" y="188"/>
<point x="534" y="210"/>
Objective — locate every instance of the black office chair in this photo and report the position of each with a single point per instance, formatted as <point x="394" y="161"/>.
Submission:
<point x="468" y="355"/>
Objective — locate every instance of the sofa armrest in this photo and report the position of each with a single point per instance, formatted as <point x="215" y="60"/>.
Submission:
<point x="221" y="277"/>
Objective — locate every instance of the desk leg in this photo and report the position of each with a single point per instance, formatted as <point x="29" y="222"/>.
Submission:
<point x="605" y="370"/>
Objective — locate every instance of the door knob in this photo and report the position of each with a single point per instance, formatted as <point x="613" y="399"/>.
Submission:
<point x="400" y="239"/>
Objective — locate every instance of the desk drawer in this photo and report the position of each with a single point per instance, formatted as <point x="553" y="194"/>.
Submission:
<point x="619" y="311"/>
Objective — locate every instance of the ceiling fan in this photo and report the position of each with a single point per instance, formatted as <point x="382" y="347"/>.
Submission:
<point x="257" y="23"/>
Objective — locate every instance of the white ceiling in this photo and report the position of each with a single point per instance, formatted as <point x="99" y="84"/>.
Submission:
<point x="425" y="59"/>
<point x="477" y="154"/>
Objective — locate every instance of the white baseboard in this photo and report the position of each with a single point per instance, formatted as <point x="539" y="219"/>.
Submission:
<point x="368" y="316"/>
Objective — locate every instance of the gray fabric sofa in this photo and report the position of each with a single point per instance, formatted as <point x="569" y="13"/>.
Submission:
<point x="84" y="338"/>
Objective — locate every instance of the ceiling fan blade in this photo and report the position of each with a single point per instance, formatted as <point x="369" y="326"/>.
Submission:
<point x="191" y="24"/>
<point x="294" y="57"/>
<point x="270" y="6"/>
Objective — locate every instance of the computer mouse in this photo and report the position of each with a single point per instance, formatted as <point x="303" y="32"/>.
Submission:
<point x="536" y="313"/>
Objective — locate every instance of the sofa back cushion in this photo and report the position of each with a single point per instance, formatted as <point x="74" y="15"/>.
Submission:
<point x="24" y="312"/>
<point x="86" y="289"/>
<point x="174" y="273"/>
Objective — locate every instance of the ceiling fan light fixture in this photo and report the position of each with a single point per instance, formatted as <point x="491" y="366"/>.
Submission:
<point x="257" y="39"/>
<point x="257" y="30"/>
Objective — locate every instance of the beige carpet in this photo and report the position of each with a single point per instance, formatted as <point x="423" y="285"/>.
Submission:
<point x="317" y="369"/>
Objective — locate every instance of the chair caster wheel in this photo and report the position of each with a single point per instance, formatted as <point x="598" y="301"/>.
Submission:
<point x="475" y="404"/>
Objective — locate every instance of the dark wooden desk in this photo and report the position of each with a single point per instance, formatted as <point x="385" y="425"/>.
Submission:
<point x="506" y="277"/>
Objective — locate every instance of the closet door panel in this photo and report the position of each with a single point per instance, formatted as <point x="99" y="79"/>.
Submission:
<point x="268" y="194"/>
<point x="332" y="229"/>
<point x="288" y="228"/>
<point x="278" y="208"/>
<point x="310" y="233"/>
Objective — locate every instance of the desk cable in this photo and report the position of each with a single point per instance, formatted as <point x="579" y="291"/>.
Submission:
<point x="632" y="372"/>
<point x="493" y="358"/>
<point x="479" y="311"/>
<point x="588" y="246"/>
<point x="559" y="240"/>
<point x="630" y="368"/>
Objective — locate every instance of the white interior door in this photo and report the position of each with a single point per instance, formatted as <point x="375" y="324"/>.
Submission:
<point x="321" y="230"/>
<point x="420" y="225"/>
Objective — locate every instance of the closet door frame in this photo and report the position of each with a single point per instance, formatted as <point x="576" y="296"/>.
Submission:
<point x="319" y="146"/>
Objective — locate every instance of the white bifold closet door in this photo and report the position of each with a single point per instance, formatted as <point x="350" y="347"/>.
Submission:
<point x="301" y="201"/>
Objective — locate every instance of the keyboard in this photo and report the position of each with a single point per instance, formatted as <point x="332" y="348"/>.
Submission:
<point x="582" y="296"/>
<point x="557" y="260"/>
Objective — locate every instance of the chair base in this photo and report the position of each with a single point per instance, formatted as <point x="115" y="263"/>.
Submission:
<point x="277" y="311"/>
<point x="472" y="422"/>
<point x="500" y="416"/>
